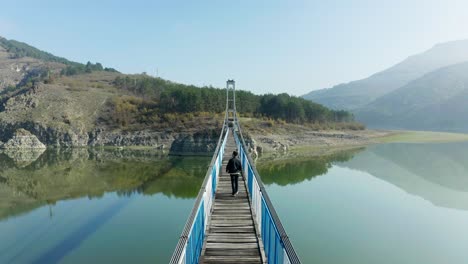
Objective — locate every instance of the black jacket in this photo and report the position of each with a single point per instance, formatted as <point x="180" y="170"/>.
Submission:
<point x="234" y="165"/>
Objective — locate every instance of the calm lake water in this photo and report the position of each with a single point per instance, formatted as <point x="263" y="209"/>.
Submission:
<point x="88" y="206"/>
<point x="391" y="203"/>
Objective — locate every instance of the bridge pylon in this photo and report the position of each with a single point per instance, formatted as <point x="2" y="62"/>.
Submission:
<point x="231" y="113"/>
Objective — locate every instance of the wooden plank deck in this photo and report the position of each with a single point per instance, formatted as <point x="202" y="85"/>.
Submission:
<point x="231" y="235"/>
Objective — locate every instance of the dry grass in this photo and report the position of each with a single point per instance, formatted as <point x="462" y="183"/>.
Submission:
<point x="422" y="137"/>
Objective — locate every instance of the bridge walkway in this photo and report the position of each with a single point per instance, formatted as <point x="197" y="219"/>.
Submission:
<point x="231" y="235"/>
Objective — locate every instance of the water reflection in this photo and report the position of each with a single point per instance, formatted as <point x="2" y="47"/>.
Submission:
<point x="23" y="157"/>
<point x="297" y="169"/>
<point x="60" y="174"/>
<point x="435" y="172"/>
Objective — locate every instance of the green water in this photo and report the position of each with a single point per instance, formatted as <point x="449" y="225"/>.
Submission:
<point x="95" y="206"/>
<point x="390" y="203"/>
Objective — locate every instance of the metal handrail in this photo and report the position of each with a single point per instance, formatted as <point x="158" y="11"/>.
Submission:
<point x="291" y="253"/>
<point x="178" y="252"/>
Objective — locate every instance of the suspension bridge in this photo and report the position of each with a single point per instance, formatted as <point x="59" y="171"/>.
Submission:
<point x="223" y="228"/>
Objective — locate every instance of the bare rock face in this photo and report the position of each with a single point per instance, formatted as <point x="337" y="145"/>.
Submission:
<point x="23" y="139"/>
<point x="199" y="143"/>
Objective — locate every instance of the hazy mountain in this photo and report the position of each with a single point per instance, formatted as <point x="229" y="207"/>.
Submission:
<point x="436" y="101"/>
<point x="359" y="93"/>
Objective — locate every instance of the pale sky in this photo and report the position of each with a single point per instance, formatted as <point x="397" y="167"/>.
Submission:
<point x="266" y="46"/>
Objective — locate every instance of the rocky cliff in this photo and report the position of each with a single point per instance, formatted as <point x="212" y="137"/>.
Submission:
<point x="23" y="139"/>
<point x="203" y="142"/>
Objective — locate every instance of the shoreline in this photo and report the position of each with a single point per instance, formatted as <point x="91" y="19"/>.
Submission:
<point x="315" y="143"/>
<point x="294" y="138"/>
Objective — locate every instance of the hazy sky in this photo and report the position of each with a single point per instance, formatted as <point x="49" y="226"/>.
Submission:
<point x="266" y="46"/>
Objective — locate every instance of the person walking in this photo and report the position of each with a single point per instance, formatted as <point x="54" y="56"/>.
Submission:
<point x="234" y="168"/>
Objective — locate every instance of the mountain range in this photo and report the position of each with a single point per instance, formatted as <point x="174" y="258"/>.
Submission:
<point x="427" y="91"/>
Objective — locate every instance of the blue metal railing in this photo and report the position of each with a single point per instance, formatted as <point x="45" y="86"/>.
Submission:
<point x="278" y="248"/>
<point x="190" y="244"/>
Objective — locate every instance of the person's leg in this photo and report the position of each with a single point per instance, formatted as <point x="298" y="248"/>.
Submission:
<point x="232" y="185"/>
<point x="236" y="183"/>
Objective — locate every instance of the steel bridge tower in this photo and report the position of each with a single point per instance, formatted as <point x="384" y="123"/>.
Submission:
<point x="231" y="113"/>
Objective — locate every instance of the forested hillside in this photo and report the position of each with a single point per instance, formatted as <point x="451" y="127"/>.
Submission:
<point x="151" y="97"/>
<point x="68" y="103"/>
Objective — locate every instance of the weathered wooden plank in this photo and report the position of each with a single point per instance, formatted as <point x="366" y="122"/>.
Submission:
<point x="231" y="225"/>
<point x="232" y="205"/>
<point x="232" y="259"/>
<point x="230" y="234"/>
<point x="230" y="202"/>
<point x="227" y="196"/>
<point x="233" y="216"/>
<point x="227" y="261"/>
<point x="233" y="256"/>
<point x="231" y="240"/>
<point x="232" y="208"/>
<point x="232" y="229"/>
<point x="231" y="212"/>
<point x="231" y="245"/>
<point x="234" y="252"/>
<point x="230" y="221"/>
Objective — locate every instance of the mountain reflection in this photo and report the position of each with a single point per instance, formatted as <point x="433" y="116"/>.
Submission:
<point x="437" y="173"/>
<point x="60" y="174"/>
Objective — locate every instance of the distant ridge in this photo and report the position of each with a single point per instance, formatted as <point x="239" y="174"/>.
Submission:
<point x="21" y="49"/>
<point x="427" y="91"/>
<point x="436" y="101"/>
<point x="357" y="94"/>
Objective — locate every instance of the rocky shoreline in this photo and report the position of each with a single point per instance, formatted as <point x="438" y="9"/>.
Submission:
<point x="35" y="136"/>
<point x="187" y="143"/>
